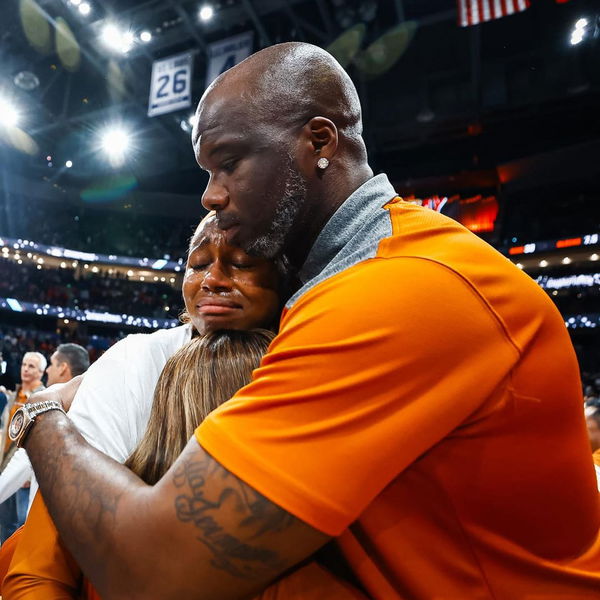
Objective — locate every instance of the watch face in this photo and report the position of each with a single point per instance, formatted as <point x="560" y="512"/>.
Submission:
<point x="16" y="425"/>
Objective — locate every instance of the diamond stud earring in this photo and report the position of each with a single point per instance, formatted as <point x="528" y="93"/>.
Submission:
<point x="323" y="163"/>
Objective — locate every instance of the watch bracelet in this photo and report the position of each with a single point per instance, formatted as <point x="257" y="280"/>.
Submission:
<point x="34" y="409"/>
<point x="37" y="408"/>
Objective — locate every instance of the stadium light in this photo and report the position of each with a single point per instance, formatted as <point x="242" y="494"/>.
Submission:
<point x="69" y="164"/>
<point x="115" y="39"/>
<point x="206" y="13"/>
<point x="145" y="36"/>
<point x="9" y="116"/>
<point x="115" y="142"/>
<point x="579" y="31"/>
<point x="85" y="9"/>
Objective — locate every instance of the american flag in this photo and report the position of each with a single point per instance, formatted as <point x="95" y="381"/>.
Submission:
<point x="471" y="12"/>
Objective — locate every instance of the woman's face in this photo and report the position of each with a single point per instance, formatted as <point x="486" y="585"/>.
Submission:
<point x="225" y="288"/>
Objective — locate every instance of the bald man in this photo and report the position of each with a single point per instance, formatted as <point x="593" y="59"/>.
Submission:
<point x="401" y="409"/>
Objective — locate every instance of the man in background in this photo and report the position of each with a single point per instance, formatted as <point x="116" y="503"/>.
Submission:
<point x="593" y="426"/>
<point x="14" y="509"/>
<point x="68" y="361"/>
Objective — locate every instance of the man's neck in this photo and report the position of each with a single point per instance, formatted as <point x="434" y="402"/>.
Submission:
<point x="323" y="208"/>
<point x="31" y="385"/>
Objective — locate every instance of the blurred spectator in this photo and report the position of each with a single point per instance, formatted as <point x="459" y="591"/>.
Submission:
<point x="593" y="427"/>
<point x="14" y="510"/>
<point x="15" y="341"/>
<point x="67" y="362"/>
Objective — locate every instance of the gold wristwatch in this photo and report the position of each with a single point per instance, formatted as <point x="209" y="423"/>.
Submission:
<point x="24" y="418"/>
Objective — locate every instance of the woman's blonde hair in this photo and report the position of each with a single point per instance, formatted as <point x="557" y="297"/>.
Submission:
<point x="199" y="377"/>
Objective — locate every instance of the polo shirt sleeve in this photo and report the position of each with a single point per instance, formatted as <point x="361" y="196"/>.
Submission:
<point x="371" y="368"/>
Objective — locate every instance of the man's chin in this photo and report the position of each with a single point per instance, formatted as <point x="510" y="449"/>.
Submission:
<point x="264" y="247"/>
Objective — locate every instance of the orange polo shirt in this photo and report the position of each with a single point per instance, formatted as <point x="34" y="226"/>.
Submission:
<point x="424" y="406"/>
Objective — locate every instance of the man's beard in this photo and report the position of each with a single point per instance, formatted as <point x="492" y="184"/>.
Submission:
<point x="271" y="243"/>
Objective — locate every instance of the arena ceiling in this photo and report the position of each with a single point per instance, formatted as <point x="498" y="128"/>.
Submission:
<point x="438" y="99"/>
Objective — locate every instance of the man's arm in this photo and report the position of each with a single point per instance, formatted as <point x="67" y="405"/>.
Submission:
<point x="200" y="532"/>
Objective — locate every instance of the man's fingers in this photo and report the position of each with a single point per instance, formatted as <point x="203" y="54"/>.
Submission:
<point x="62" y="392"/>
<point x="68" y="391"/>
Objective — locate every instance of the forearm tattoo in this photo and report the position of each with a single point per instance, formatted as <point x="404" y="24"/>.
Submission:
<point x="241" y="505"/>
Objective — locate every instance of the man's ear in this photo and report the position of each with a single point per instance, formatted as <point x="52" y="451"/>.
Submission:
<point x="63" y="368"/>
<point x="319" y="140"/>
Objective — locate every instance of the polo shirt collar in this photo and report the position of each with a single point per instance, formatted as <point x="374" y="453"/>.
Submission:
<point x="361" y="206"/>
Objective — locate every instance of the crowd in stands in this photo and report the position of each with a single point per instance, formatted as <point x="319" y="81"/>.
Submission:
<point x="87" y="290"/>
<point x="91" y="229"/>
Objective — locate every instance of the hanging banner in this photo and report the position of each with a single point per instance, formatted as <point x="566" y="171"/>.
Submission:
<point x="171" y="84"/>
<point x="227" y="53"/>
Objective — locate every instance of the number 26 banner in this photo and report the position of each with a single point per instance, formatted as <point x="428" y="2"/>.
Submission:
<point x="171" y="84"/>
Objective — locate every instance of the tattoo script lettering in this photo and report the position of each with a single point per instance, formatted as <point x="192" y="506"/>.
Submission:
<point x="251" y="512"/>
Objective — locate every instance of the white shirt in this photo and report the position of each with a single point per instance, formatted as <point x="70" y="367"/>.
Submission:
<point x="112" y="406"/>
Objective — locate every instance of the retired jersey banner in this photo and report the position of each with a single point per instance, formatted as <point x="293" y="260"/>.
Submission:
<point x="227" y="53"/>
<point x="171" y="84"/>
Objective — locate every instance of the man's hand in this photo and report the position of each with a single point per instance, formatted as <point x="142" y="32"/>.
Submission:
<point x="62" y="392"/>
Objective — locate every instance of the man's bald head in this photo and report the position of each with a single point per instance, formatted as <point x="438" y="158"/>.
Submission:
<point x="262" y="129"/>
<point x="288" y="84"/>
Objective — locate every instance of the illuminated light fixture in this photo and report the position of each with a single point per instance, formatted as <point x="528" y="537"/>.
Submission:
<point x="145" y="36"/>
<point x="206" y="13"/>
<point x="543" y="263"/>
<point x="85" y="9"/>
<point x="578" y="33"/>
<point x="594" y="256"/>
<point x="69" y="164"/>
<point x="115" y="143"/>
<point x="110" y="35"/>
<point x="192" y="120"/>
<point x="75" y="2"/>
<point x="115" y="39"/>
<point x="519" y="265"/>
<point x="566" y="261"/>
<point x="9" y="116"/>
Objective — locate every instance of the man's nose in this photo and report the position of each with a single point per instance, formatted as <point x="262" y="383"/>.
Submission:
<point x="215" y="196"/>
